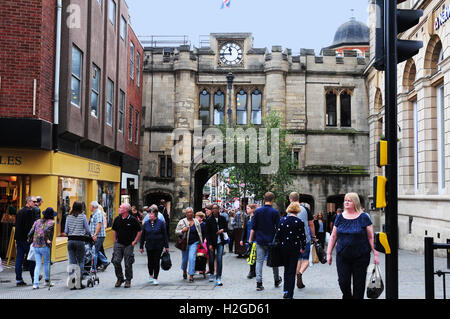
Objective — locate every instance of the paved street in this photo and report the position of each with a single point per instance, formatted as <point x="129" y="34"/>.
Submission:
<point x="320" y="281"/>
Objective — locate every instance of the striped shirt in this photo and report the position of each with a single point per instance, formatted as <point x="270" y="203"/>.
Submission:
<point x="77" y="226"/>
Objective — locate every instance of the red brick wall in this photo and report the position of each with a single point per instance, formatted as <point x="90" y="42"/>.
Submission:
<point x="134" y="95"/>
<point x="27" y="35"/>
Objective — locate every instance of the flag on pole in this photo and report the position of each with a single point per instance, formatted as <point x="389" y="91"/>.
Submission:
<point x="225" y="4"/>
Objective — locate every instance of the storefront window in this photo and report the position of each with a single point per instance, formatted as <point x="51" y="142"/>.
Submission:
<point x="70" y="190"/>
<point x="106" y="199"/>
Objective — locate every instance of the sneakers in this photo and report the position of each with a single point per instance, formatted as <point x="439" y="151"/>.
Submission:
<point x="155" y="282"/>
<point x="259" y="286"/>
<point x="35" y="287"/>
<point x="48" y="283"/>
<point x="151" y="280"/>
<point x="119" y="282"/>
<point x="219" y="281"/>
<point x="211" y="278"/>
<point x="278" y="282"/>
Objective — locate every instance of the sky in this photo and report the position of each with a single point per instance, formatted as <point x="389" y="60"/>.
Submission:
<point x="293" y="24"/>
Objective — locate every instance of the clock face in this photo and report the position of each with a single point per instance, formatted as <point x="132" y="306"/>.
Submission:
<point x="230" y="53"/>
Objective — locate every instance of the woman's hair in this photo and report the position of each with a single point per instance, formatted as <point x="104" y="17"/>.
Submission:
<point x="201" y="214"/>
<point x="77" y="208"/>
<point x="253" y="206"/>
<point x="355" y="199"/>
<point x="293" y="208"/>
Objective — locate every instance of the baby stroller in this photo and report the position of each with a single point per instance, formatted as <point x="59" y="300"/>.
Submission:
<point x="89" y="272"/>
<point x="201" y="259"/>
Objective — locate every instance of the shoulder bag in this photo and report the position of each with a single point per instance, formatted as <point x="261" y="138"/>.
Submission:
<point x="274" y="258"/>
<point x="181" y="243"/>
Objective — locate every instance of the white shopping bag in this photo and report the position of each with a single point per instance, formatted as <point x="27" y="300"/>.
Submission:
<point x="1" y="265"/>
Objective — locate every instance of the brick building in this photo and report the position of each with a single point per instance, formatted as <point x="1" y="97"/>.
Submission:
<point x="63" y="101"/>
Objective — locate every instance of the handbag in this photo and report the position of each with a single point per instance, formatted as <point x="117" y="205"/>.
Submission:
<point x="320" y="253"/>
<point x="166" y="263"/>
<point x="251" y="251"/>
<point x="375" y="287"/>
<point x="181" y="243"/>
<point x="315" y="258"/>
<point x="31" y="254"/>
<point x="274" y="258"/>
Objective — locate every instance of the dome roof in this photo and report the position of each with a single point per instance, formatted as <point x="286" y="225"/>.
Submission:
<point x="351" y="32"/>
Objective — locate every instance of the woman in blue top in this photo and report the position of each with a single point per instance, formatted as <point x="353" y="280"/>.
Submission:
<point x="353" y="232"/>
<point x="154" y="236"/>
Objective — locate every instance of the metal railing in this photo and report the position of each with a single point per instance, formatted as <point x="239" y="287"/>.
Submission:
<point x="430" y="246"/>
<point x="164" y="40"/>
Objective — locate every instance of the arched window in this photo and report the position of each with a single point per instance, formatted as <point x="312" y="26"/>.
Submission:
<point x="219" y="108"/>
<point x="241" y="107"/>
<point x="256" y="107"/>
<point x="203" y="110"/>
<point x="331" y="109"/>
<point x="346" y="109"/>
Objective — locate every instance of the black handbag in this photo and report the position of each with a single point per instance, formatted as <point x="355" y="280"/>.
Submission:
<point x="375" y="287"/>
<point x="274" y="258"/>
<point x="166" y="263"/>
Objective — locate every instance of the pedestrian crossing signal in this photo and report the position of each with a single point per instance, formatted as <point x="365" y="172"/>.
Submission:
<point x="382" y="243"/>
<point x="382" y="159"/>
<point x="379" y="191"/>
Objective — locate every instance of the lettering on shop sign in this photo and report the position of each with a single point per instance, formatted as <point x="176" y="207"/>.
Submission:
<point x="442" y="17"/>
<point x="11" y="160"/>
<point x="94" y="168"/>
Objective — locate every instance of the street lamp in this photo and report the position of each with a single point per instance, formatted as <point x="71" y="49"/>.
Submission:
<point x="230" y="78"/>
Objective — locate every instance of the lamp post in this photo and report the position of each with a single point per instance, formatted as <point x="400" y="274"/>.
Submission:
<point x="230" y="78"/>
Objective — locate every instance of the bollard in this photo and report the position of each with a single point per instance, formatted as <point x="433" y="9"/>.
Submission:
<point x="429" y="268"/>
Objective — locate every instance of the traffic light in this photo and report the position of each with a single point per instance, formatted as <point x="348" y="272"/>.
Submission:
<point x="405" y="19"/>
<point x="379" y="191"/>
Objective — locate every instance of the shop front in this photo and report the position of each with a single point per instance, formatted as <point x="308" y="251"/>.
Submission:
<point x="61" y="179"/>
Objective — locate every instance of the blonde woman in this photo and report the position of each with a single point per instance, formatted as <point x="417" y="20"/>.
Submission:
<point x="353" y="232"/>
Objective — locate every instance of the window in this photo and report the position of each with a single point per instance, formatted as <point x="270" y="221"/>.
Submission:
<point x="121" y="111"/>
<point x="110" y="102"/>
<point x="441" y="137"/>
<point x="77" y="65"/>
<point x="112" y="12"/>
<point x="256" y="107"/>
<point x="331" y="109"/>
<point x="241" y="107"/>
<point x="123" y="28"/>
<point x="132" y="60"/>
<point x="346" y="118"/>
<point x="130" y="124"/>
<point x="136" y="129"/>
<point x="138" y="69"/>
<point x="203" y="112"/>
<point x="95" y="90"/>
<point x="106" y="198"/>
<point x="99" y="2"/>
<point x="219" y="108"/>
<point x="165" y="166"/>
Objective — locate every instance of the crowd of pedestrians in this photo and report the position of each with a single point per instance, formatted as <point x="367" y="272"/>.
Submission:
<point x="203" y="237"/>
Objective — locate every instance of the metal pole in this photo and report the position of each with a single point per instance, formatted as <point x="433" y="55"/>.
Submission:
<point x="429" y="268"/>
<point x="230" y="78"/>
<point x="391" y="211"/>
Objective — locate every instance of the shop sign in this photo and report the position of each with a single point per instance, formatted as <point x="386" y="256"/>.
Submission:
<point x="442" y="17"/>
<point x="11" y="160"/>
<point x="94" y="168"/>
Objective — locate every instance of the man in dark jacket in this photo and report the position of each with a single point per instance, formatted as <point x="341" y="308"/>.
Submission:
<point x="216" y="226"/>
<point x="264" y="225"/>
<point x="24" y="221"/>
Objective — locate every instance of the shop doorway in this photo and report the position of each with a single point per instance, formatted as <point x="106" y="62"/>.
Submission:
<point x="156" y="197"/>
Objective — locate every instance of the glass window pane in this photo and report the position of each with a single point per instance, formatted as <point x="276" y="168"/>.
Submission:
<point x="219" y="108"/>
<point x="169" y="167"/>
<point x="123" y="28"/>
<point x="95" y="78"/>
<point x="346" y="118"/>
<point x="256" y="117"/>
<point x="94" y="104"/>
<point x="162" y="167"/>
<point x="256" y="107"/>
<point x="112" y="12"/>
<point x="76" y="61"/>
<point x="241" y="108"/>
<point x="105" y="197"/>
<point x="331" y="109"/>
<point x="75" y="96"/>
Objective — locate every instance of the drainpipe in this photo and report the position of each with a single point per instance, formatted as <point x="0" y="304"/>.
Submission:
<point x="57" y="71"/>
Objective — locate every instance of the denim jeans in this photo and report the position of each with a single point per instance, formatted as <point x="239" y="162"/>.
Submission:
<point x="261" y="252"/>
<point x="23" y="247"/>
<point x="41" y="253"/>
<point x="76" y="252"/>
<point x="212" y="256"/>
<point x="188" y="256"/>
<point x="98" y="254"/>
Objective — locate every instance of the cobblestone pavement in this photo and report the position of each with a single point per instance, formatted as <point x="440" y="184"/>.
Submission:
<point x="320" y="280"/>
